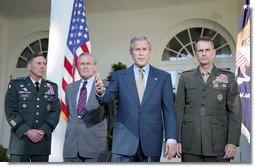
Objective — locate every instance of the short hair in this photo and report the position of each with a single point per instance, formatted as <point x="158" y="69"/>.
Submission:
<point x="204" y="38"/>
<point x="138" y="38"/>
<point x="83" y="54"/>
<point x="32" y="57"/>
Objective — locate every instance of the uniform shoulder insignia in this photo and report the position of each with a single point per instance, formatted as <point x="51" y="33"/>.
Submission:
<point x="190" y="70"/>
<point x="50" y="82"/>
<point x="15" y="80"/>
<point x="20" y="79"/>
<point x="225" y="71"/>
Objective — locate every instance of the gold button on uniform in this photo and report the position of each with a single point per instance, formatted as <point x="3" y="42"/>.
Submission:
<point x="220" y="97"/>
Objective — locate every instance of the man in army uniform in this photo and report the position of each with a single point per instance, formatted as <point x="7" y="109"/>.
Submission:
<point x="208" y="110"/>
<point x="32" y="109"/>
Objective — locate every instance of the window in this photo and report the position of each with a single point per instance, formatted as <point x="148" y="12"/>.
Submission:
<point x="38" y="46"/>
<point x="181" y="46"/>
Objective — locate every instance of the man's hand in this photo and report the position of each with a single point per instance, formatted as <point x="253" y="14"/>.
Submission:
<point x="35" y="135"/>
<point x="170" y="150"/>
<point x="230" y="151"/>
<point x="179" y="150"/>
<point x="100" y="89"/>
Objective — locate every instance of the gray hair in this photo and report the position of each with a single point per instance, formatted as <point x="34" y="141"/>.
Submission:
<point x="32" y="57"/>
<point x="83" y="54"/>
<point x="138" y="38"/>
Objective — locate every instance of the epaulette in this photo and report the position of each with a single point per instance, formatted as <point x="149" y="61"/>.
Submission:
<point x="48" y="81"/>
<point x="190" y="70"/>
<point x="20" y="79"/>
<point x="227" y="71"/>
<point x="15" y="80"/>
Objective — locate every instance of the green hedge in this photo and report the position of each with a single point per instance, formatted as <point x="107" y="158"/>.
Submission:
<point x="3" y="154"/>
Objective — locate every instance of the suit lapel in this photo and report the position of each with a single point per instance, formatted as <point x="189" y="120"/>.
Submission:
<point x="91" y="100"/>
<point x="74" y="93"/>
<point x="30" y="86"/>
<point x="213" y="75"/>
<point x="131" y="83"/>
<point x="152" y="80"/>
<point x="44" y="87"/>
<point x="198" y="77"/>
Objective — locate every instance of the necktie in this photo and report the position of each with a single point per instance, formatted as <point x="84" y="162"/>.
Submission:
<point x="140" y="84"/>
<point x="37" y="86"/>
<point x="82" y="99"/>
<point x="205" y="76"/>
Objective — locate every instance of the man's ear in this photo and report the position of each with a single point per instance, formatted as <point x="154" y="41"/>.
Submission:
<point x="214" y="53"/>
<point x="29" y="66"/>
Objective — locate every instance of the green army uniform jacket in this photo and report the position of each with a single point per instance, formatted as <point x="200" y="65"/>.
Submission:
<point x="209" y="114"/>
<point x="26" y="109"/>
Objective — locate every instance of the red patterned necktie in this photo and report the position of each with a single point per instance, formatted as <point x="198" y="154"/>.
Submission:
<point x="82" y="99"/>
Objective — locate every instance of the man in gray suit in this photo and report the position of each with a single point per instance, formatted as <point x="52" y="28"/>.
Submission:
<point x="208" y="109"/>
<point x="86" y="132"/>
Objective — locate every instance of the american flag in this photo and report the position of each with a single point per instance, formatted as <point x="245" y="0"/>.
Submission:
<point x="68" y="38"/>
<point x="243" y="70"/>
<point x="77" y="42"/>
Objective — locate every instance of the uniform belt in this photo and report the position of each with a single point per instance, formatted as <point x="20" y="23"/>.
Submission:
<point x="206" y="112"/>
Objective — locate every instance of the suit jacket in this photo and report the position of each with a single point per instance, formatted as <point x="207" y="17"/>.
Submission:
<point x="145" y="122"/>
<point x="88" y="134"/>
<point x="26" y="109"/>
<point x="208" y="114"/>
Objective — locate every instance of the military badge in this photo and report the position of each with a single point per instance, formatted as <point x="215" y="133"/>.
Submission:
<point x="13" y="123"/>
<point x="24" y="92"/>
<point x="222" y="78"/>
<point x="25" y="95"/>
<point x="51" y="90"/>
<point x="48" y="107"/>
<point x="220" y="97"/>
<point x="215" y="84"/>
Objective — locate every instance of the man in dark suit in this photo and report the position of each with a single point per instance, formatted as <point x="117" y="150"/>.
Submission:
<point x="145" y="108"/>
<point x="32" y="109"/>
<point x="208" y="110"/>
<point x="86" y="132"/>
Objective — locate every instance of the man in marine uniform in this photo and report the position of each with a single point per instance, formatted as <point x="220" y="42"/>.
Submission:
<point x="32" y="109"/>
<point x="208" y="110"/>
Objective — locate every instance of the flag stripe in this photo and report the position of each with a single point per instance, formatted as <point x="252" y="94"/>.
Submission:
<point x="68" y="66"/>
